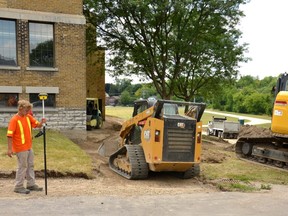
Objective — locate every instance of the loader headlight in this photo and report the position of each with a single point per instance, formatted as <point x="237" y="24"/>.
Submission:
<point x="199" y="137"/>
<point x="157" y="136"/>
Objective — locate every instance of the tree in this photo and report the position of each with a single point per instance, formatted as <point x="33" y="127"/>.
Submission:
<point x="224" y="100"/>
<point x="119" y="87"/>
<point x="257" y="103"/>
<point x="126" y="99"/>
<point x="146" y="91"/>
<point x="182" y="46"/>
<point x="247" y="81"/>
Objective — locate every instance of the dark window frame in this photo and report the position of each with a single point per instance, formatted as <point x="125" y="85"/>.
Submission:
<point x="12" y="48"/>
<point x="43" y="48"/>
<point x="9" y="100"/>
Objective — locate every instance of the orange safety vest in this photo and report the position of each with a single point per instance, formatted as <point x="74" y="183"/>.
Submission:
<point x="20" y="130"/>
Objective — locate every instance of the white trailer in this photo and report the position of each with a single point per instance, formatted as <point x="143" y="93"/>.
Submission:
<point x="220" y="127"/>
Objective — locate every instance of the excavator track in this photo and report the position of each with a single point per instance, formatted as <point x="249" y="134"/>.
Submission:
<point x="270" y="151"/>
<point x="129" y="162"/>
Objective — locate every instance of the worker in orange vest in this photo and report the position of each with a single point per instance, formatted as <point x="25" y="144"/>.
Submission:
<point x="19" y="136"/>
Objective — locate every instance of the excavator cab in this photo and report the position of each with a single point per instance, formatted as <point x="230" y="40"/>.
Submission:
<point x="282" y="84"/>
<point x="280" y="109"/>
<point x="280" y="113"/>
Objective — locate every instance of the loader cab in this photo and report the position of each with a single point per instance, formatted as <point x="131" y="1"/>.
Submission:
<point x="170" y="109"/>
<point x="141" y="105"/>
<point x="93" y="114"/>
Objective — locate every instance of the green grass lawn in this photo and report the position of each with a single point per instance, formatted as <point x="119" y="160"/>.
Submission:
<point x="126" y="113"/>
<point x="62" y="155"/>
<point x="119" y="111"/>
<point x="233" y="168"/>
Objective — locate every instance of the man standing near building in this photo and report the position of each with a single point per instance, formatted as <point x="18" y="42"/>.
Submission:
<point x="19" y="136"/>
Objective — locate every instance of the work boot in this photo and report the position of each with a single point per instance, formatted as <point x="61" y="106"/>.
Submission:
<point x="21" y="190"/>
<point x="35" y="188"/>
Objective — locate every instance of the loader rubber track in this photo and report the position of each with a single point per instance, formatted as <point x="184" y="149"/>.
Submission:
<point x="136" y="160"/>
<point x="269" y="151"/>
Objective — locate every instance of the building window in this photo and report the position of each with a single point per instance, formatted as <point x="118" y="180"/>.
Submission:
<point x="50" y="102"/>
<point x="8" y="99"/>
<point x="8" y="43"/>
<point x="41" y="41"/>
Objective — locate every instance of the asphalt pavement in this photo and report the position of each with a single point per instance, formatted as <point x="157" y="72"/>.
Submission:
<point x="200" y="204"/>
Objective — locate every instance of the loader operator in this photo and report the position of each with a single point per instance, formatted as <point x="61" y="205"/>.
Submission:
<point x="19" y="136"/>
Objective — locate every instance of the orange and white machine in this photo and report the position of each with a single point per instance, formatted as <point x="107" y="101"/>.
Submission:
<point x="159" y="138"/>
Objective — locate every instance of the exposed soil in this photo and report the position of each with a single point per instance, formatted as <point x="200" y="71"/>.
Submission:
<point x="254" y="131"/>
<point x="109" y="183"/>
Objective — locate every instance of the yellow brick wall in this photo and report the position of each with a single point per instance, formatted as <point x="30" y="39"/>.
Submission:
<point x="95" y="77"/>
<point x="55" y="6"/>
<point x="3" y="3"/>
<point x="70" y="58"/>
<point x="71" y="62"/>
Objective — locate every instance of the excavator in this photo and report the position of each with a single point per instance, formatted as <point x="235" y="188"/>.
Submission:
<point x="272" y="149"/>
<point x="157" y="138"/>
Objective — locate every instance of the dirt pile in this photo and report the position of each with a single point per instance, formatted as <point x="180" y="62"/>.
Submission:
<point x="214" y="151"/>
<point x="253" y="131"/>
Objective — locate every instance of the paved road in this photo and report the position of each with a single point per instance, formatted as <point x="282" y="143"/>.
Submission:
<point x="216" y="203"/>
<point x="252" y="120"/>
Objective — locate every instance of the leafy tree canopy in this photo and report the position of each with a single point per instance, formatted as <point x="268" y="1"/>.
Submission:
<point x="183" y="46"/>
<point x="247" y="95"/>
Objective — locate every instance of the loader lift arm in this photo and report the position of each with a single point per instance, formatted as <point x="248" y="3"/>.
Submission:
<point x="139" y="119"/>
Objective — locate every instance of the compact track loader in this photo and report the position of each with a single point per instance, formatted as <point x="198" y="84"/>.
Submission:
<point x="158" y="138"/>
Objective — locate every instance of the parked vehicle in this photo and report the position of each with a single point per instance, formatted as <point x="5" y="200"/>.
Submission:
<point x="93" y="114"/>
<point x="220" y="127"/>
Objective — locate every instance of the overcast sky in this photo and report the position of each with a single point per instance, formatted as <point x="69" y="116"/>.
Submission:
<point x="265" y="29"/>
